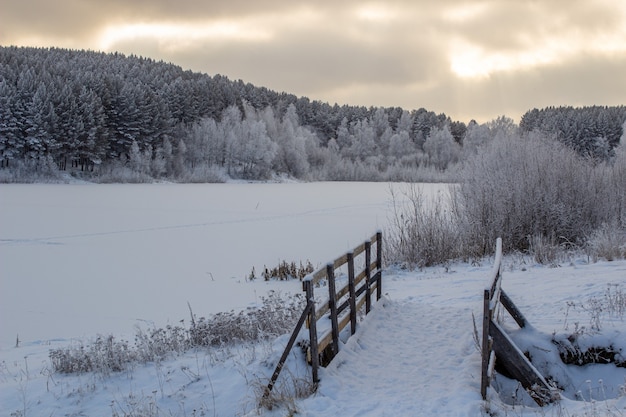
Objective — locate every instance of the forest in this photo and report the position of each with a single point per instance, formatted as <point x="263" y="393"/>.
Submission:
<point x="107" y="117"/>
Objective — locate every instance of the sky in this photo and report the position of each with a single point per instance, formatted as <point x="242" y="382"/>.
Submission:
<point x="468" y="59"/>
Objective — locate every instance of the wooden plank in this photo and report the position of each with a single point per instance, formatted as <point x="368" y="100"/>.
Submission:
<point x="360" y="303"/>
<point x="343" y="290"/>
<point x="343" y="321"/>
<point x="344" y="306"/>
<point x="324" y="341"/>
<point x="317" y="276"/>
<point x="290" y="343"/>
<point x="360" y="276"/>
<point x="359" y="250"/>
<point x="512" y="309"/>
<point x="518" y="365"/>
<point x="342" y="260"/>
<point x="322" y="310"/>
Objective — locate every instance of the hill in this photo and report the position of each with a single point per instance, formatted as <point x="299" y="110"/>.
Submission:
<point x="115" y="118"/>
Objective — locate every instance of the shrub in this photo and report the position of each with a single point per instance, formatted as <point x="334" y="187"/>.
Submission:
<point x="277" y="315"/>
<point x="608" y="242"/>
<point x="535" y="193"/>
<point x="31" y="170"/>
<point x="285" y="271"/>
<point x="544" y="249"/>
<point x="422" y="232"/>
<point x="526" y="187"/>
<point x="104" y="355"/>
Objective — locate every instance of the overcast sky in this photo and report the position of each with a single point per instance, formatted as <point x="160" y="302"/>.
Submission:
<point x="468" y="59"/>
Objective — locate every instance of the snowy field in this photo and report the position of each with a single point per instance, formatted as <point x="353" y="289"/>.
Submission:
<point x="78" y="260"/>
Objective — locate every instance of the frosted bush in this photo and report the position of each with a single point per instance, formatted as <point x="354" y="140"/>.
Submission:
<point x="277" y="315"/>
<point x="532" y="186"/>
<point x="607" y="242"/>
<point x="538" y="195"/>
<point x="422" y="232"/>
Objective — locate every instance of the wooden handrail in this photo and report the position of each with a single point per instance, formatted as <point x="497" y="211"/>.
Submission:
<point x="327" y="345"/>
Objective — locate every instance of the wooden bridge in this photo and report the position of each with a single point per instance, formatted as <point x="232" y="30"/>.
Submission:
<point x="348" y="292"/>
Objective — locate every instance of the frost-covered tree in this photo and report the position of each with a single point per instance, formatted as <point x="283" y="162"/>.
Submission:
<point x="257" y="150"/>
<point x="291" y="157"/>
<point x="477" y="135"/>
<point x="441" y="148"/>
<point x="88" y="108"/>
<point x="364" y="141"/>
<point x="502" y="127"/>
<point x="401" y="145"/>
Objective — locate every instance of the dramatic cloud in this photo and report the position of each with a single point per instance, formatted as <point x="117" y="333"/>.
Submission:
<point x="475" y="59"/>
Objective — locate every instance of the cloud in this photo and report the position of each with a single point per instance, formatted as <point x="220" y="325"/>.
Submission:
<point x="474" y="59"/>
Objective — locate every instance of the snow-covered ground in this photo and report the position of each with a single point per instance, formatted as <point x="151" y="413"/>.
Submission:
<point x="414" y="355"/>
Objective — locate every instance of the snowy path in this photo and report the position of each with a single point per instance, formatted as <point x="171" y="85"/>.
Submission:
<point x="407" y="358"/>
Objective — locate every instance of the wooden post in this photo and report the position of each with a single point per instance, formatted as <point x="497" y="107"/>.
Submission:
<point x="310" y="297"/>
<point x="332" y="304"/>
<point x="379" y="264"/>
<point x="486" y="349"/>
<point x="352" y="291"/>
<point x="368" y="276"/>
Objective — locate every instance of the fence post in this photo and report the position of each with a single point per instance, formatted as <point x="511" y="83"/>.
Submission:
<point x="332" y="304"/>
<point x="379" y="265"/>
<point x="368" y="277"/>
<point x="352" y="290"/>
<point x="310" y="297"/>
<point x="486" y="349"/>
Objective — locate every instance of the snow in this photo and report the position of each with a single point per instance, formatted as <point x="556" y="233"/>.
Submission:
<point x="413" y="355"/>
<point x="78" y="260"/>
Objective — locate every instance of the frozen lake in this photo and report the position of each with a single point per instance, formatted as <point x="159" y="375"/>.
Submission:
<point x="78" y="260"/>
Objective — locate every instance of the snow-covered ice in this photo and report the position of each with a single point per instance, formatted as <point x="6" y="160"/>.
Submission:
<point x="82" y="259"/>
<point x="414" y="355"/>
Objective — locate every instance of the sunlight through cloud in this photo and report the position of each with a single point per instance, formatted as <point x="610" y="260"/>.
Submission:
<point x="375" y="13"/>
<point x="464" y="12"/>
<point x="469" y="60"/>
<point x="179" y="36"/>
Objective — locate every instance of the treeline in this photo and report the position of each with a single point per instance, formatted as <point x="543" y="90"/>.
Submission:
<point x="108" y="117"/>
<point x="591" y="131"/>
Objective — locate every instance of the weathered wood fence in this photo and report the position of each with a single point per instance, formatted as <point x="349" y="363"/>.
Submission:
<point x="346" y="296"/>
<point x="498" y="346"/>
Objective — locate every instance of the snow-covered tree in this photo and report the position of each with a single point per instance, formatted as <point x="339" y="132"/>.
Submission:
<point x="291" y="157"/>
<point x="476" y="135"/>
<point x="441" y="148"/>
<point x="401" y="145"/>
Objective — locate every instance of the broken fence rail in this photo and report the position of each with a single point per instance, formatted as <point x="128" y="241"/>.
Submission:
<point x="497" y="345"/>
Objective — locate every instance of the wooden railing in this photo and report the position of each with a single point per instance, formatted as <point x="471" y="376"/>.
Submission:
<point x="498" y="346"/>
<point x="347" y="293"/>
